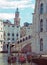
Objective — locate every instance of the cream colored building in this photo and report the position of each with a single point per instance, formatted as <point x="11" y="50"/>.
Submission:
<point x="26" y="29"/>
<point x="39" y="40"/>
<point x="22" y="31"/>
<point x="9" y="32"/>
<point x="23" y="43"/>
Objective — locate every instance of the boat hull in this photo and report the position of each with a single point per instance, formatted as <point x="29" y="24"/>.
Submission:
<point x="40" y="61"/>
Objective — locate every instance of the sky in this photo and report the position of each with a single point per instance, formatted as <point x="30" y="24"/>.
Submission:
<point x="8" y="8"/>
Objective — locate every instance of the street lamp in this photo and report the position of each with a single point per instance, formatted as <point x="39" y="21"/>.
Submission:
<point x="11" y="57"/>
<point x="9" y="47"/>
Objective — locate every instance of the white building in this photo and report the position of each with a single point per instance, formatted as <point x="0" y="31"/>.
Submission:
<point x="9" y="32"/>
<point x="1" y="35"/>
<point x="39" y="40"/>
<point x="28" y="27"/>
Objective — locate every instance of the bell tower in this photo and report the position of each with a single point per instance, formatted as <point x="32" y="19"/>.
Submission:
<point x="17" y="24"/>
<point x="17" y="19"/>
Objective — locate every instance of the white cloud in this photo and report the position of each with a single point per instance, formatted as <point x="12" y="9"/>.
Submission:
<point x="8" y="4"/>
<point x="14" y="4"/>
<point x="7" y="15"/>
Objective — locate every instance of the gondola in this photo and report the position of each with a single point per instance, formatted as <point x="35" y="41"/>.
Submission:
<point x="11" y="59"/>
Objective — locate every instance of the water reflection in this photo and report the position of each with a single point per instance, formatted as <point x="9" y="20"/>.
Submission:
<point x="3" y="60"/>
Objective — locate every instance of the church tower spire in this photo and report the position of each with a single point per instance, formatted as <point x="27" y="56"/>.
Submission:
<point x="17" y="13"/>
<point x="17" y="19"/>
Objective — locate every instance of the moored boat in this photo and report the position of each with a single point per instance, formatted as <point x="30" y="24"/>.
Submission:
<point x="40" y="60"/>
<point x="11" y="59"/>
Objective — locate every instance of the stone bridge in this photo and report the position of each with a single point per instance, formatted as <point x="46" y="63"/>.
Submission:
<point x="20" y="44"/>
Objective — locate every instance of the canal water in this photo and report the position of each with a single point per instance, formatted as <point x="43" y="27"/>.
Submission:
<point x="3" y="60"/>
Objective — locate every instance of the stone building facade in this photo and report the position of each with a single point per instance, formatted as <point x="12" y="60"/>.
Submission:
<point x="9" y="32"/>
<point x="39" y="40"/>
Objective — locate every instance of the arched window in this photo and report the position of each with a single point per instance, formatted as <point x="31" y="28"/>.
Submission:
<point x="26" y="38"/>
<point x="41" y="25"/>
<point x="29" y="36"/>
<point x="41" y="44"/>
<point x="46" y="24"/>
<point x="41" y="8"/>
<point x="17" y="34"/>
<point x="20" y="40"/>
<point x="23" y="39"/>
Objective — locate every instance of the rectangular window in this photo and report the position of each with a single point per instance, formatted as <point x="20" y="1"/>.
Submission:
<point x="12" y="34"/>
<point x="8" y="39"/>
<point x="41" y="29"/>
